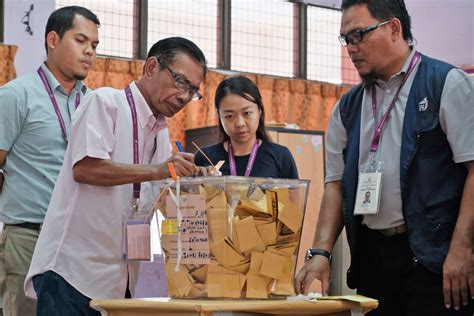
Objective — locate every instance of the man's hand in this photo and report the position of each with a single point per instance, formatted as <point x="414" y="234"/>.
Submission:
<point x="185" y="167"/>
<point x="458" y="268"/>
<point x="328" y="228"/>
<point x="316" y="268"/>
<point x="183" y="164"/>
<point x="458" y="277"/>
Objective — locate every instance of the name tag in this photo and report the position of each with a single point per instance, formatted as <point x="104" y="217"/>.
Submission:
<point x="136" y="240"/>
<point x="368" y="193"/>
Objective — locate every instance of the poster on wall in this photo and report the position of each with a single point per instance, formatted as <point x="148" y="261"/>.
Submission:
<point x="25" y="23"/>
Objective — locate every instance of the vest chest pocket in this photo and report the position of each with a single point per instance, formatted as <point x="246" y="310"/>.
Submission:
<point x="432" y="137"/>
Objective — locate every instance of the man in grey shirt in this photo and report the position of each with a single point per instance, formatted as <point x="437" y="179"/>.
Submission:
<point x="411" y="122"/>
<point x="35" y="114"/>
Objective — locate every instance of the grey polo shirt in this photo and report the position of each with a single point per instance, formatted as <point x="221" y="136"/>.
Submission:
<point x="456" y="117"/>
<point x="30" y="132"/>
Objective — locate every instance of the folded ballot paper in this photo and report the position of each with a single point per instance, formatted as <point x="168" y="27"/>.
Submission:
<point x="231" y="237"/>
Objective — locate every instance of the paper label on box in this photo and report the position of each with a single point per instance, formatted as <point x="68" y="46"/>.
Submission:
<point x="169" y="227"/>
<point x="193" y="229"/>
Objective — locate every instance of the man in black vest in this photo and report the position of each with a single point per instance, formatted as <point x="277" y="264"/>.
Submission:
<point x="406" y="135"/>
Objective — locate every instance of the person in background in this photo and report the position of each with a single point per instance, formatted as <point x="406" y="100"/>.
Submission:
<point x="407" y="130"/>
<point x="119" y="143"/>
<point x="246" y="148"/>
<point x="35" y="115"/>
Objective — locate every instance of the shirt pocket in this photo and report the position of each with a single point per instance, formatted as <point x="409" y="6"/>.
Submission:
<point x="432" y="137"/>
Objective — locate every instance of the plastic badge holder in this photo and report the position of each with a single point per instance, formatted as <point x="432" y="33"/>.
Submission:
<point x="231" y="237"/>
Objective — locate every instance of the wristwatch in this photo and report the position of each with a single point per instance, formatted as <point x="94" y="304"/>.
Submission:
<point x="311" y="252"/>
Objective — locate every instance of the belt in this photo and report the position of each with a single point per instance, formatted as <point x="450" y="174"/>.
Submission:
<point x="33" y="226"/>
<point x="392" y="231"/>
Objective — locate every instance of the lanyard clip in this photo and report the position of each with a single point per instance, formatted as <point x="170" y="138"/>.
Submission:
<point x="136" y="203"/>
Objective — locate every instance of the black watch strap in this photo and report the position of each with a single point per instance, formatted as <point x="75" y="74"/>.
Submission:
<point x="317" y="252"/>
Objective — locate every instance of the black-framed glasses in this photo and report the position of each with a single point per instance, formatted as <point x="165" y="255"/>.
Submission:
<point x="181" y="83"/>
<point x="355" y="37"/>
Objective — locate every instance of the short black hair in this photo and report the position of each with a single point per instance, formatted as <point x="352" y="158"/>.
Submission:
<point x="62" y="20"/>
<point x="244" y="87"/>
<point x="384" y="10"/>
<point x="167" y="48"/>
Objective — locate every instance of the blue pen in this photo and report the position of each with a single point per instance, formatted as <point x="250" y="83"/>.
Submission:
<point x="180" y="147"/>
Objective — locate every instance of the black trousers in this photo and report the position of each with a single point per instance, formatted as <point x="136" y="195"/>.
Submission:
<point x="56" y="297"/>
<point x="390" y="273"/>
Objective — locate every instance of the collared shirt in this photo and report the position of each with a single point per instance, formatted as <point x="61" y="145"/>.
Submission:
<point x="456" y="116"/>
<point x="81" y="239"/>
<point x="31" y="134"/>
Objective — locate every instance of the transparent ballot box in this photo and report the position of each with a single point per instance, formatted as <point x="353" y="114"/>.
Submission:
<point x="231" y="237"/>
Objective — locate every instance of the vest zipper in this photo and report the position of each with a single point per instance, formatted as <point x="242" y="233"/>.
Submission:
<point x="415" y="150"/>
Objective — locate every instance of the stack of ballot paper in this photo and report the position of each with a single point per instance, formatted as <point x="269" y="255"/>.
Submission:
<point x="231" y="237"/>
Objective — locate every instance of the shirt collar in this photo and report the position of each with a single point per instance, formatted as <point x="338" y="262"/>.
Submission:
<point x="144" y="113"/>
<point x="402" y="71"/>
<point x="55" y="85"/>
<point x="406" y="65"/>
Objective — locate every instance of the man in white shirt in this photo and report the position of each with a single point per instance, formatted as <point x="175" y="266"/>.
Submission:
<point x="119" y="142"/>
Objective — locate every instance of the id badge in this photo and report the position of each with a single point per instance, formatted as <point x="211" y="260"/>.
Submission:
<point x="136" y="240"/>
<point x="368" y="193"/>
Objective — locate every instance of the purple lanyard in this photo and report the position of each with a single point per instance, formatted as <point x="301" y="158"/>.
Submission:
<point x="55" y="103"/>
<point x="253" y="154"/>
<point x="378" y="130"/>
<point x="131" y="102"/>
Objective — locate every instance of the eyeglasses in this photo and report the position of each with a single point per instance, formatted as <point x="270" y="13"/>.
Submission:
<point x="181" y="84"/>
<point x="358" y="35"/>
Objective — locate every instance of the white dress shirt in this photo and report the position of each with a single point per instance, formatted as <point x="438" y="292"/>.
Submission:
<point x="81" y="239"/>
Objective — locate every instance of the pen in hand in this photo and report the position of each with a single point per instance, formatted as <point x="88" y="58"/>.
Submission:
<point x="181" y="150"/>
<point x="180" y="147"/>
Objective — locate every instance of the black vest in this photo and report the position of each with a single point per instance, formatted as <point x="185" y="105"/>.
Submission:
<point x="431" y="183"/>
